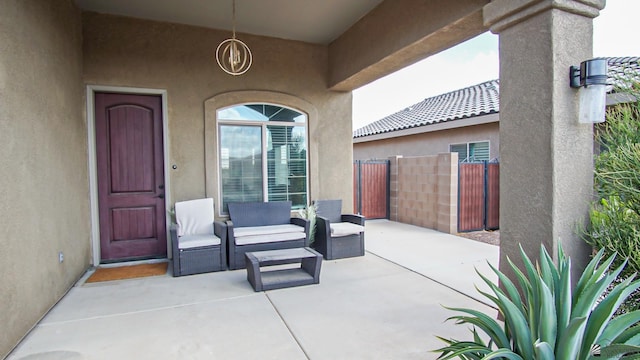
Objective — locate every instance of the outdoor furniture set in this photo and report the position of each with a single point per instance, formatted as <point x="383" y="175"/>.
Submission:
<point x="261" y="234"/>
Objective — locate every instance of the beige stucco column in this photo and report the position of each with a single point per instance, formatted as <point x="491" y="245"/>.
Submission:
<point x="546" y="155"/>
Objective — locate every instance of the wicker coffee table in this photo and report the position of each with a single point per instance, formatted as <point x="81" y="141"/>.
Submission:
<point x="308" y="272"/>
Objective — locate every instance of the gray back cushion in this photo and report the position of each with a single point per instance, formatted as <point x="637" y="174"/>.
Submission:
<point x="260" y="213"/>
<point x="330" y="209"/>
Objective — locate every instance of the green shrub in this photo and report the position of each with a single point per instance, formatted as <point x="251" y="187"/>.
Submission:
<point x="615" y="218"/>
<point x="544" y="319"/>
<point x="618" y="164"/>
<point x="615" y="228"/>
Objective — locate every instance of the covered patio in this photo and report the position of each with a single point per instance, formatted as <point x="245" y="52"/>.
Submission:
<point x="385" y="305"/>
<point x="66" y="64"/>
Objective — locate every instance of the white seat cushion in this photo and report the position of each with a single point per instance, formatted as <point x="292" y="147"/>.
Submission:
<point x="345" y="228"/>
<point x="267" y="230"/>
<point x="268" y="238"/>
<point x="194" y="241"/>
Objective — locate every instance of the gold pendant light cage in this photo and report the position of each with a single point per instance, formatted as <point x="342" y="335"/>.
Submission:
<point x="233" y="56"/>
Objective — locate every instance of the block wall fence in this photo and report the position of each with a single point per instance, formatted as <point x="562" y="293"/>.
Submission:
<point x="424" y="191"/>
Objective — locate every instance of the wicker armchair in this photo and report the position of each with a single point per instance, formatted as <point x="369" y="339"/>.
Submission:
<point x="199" y="243"/>
<point x="338" y="235"/>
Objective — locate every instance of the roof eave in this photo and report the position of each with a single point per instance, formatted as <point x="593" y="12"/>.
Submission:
<point x="451" y="124"/>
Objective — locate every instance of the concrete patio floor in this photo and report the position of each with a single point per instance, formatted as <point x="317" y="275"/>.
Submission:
<point x="385" y="305"/>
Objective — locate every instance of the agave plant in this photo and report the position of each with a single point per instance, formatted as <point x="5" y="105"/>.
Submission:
<point x="544" y="319"/>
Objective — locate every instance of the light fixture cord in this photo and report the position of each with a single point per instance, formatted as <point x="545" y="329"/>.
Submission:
<point x="233" y="19"/>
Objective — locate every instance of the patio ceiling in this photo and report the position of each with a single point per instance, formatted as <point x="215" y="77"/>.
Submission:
<point x="367" y="39"/>
<point x="312" y="21"/>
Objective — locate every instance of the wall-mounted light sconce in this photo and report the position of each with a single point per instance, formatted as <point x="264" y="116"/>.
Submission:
<point x="591" y="78"/>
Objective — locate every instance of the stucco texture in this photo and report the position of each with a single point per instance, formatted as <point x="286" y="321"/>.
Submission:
<point x="44" y="206"/>
<point x="429" y="143"/>
<point x="546" y="171"/>
<point x="127" y="52"/>
<point x="411" y="30"/>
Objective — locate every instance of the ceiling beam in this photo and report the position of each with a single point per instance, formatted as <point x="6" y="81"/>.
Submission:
<point x="399" y="33"/>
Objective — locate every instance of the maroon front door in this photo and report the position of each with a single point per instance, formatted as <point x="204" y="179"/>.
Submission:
<point x="130" y="176"/>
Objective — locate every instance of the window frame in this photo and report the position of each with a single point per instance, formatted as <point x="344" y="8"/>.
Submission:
<point x="468" y="145"/>
<point x="265" y="144"/>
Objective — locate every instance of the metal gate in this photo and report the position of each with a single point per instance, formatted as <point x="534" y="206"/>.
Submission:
<point x="371" y="188"/>
<point x="478" y="196"/>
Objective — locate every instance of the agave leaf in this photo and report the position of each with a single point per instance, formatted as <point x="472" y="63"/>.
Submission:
<point x="544" y="351"/>
<point x="478" y="340"/>
<point x="599" y="318"/>
<point x="496" y="301"/>
<point x="617" y="350"/>
<point x="490" y="284"/>
<point x="525" y="285"/>
<point x="569" y="344"/>
<point x="487" y="324"/>
<point x="509" y="286"/>
<point x="503" y="354"/>
<point x="535" y="305"/>
<point x="548" y="321"/>
<point x="606" y="307"/>
<point x="528" y="266"/>
<point x="533" y="299"/>
<point x="488" y="296"/>
<point x="563" y="297"/>
<point x="448" y="341"/>
<point x="548" y="269"/>
<point x="631" y="335"/>
<point x="592" y="292"/>
<point x="518" y="322"/>
<point x="463" y="349"/>
<point x="587" y="275"/>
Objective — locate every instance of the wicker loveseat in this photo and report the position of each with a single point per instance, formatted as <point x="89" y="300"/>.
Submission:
<point x="258" y="226"/>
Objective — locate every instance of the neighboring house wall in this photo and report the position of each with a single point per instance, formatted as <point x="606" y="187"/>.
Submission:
<point x="428" y="143"/>
<point x="424" y="191"/>
<point x="44" y="203"/>
<point x="192" y="78"/>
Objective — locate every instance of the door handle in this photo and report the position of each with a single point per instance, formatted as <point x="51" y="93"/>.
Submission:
<point x="161" y="196"/>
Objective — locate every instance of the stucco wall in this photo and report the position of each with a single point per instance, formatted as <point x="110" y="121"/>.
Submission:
<point x="127" y="52"/>
<point x="44" y="186"/>
<point x="411" y="30"/>
<point x="430" y="143"/>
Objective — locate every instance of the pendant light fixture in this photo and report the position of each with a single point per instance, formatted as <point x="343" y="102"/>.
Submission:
<point x="233" y="56"/>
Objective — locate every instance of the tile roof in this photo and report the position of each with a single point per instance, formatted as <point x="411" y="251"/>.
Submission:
<point x="621" y="69"/>
<point x="472" y="101"/>
<point x="481" y="99"/>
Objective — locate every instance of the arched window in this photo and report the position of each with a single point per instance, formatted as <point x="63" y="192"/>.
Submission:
<point x="262" y="154"/>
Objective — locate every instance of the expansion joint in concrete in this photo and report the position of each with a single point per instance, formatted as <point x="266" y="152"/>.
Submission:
<point x="287" y="325"/>
<point x="435" y="281"/>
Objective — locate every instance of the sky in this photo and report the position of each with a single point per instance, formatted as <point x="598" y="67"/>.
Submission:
<point x="476" y="61"/>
